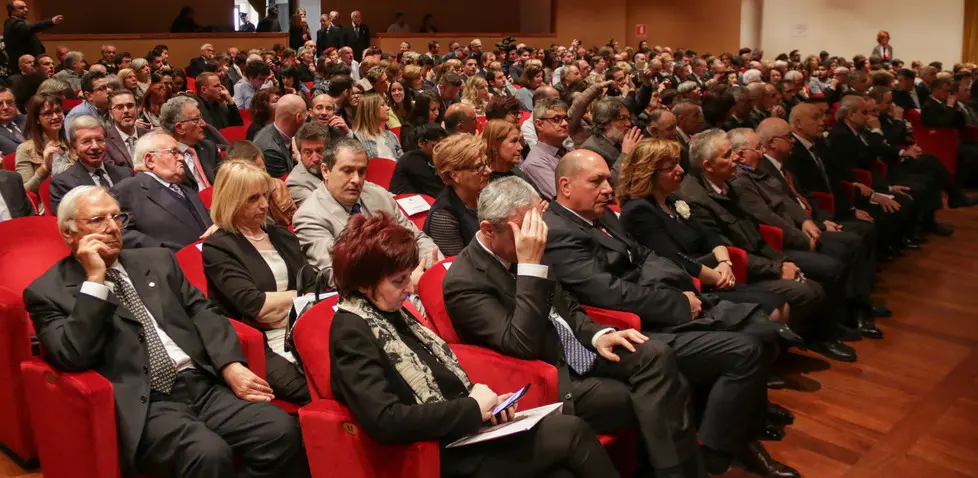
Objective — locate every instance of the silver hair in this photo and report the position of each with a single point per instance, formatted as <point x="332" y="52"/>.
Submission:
<point x="172" y="112"/>
<point x="68" y="207"/>
<point x="83" y="122"/>
<point x="847" y="106"/>
<point x="605" y="111"/>
<point x="548" y="104"/>
<point x="503" y="198"/>
<point x="138" y="63"/>
<point x="739" y="138"/>
<point x="684" y="108"/>
<point x="793" y="75"/>
<point x="704" y="147"/>
<point x="72" y="57"/>
<point x="687" y="87"/>
<point x="780" y="64"/>
<point x="737" y="92"/>
<point x="752" y="76"/>
<point x="145" y="145"/>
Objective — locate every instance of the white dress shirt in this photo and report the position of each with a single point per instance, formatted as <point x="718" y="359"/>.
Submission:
<point x="191" y="166"/>
<point x="181" y="361"/>
<point x="540" y="271"/>
<point x="4" y="210"/>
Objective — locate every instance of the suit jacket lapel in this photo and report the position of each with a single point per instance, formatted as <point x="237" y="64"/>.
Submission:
<point x="497" y="275"/>
<point x="73" y="275"/>
<point x="595" y="233"/>
<point x="166" y="202"/>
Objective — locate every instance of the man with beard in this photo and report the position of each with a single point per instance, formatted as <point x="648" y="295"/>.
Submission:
<point x="122" y="134"/>
<point x="87" y="137"/>
<point x="611" y="137"/>
<point x="311" y="140"/>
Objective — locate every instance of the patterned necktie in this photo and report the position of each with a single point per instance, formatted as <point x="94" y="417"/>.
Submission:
<point x="176" y="190"/>
<point x="197" y="169"/>
<point x="130" y="144"/>
<point x="162" y="371"/>
<point x="100" y="179"/>
<point x="579" y="358"/>
<point x="821" y="168"/>
<point x="15" y="131"/>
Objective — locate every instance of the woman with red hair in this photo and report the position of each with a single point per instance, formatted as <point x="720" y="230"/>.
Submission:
<point x="883" y="49"/>
<point x="403" y="384"/>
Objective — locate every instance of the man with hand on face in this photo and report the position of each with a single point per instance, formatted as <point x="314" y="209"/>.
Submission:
<point x="499" y="295"/>
<point x="612" y="135"/>
<point x="185" y="403"/>
<point x="323" y="109"/>
<point x="216" y="104"/>
<point x="343" y="193"/>
<point x="87" y="137"/>
<point x="122" y="134"/>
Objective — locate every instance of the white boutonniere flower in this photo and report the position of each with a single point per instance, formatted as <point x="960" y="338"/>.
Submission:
<point x="682" y="209"/>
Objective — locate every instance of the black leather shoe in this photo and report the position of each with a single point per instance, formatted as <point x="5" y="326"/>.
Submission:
<point x="834" y="350"/>
<point x="779" y="415"/>
<point x="880" y="311"/>
<point x="848" y="334"/>
<point x="867" y="328"/>
<point x="771" y="432"/>
<point x="776" y="382"/>
<point x="939" y="229"/>
<point x="758" y="461"/>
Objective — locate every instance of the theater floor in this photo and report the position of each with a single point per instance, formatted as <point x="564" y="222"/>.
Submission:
<point x="909" y="407"/>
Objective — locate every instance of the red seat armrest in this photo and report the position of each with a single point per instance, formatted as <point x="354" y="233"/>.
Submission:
<point x="507" y="374"/>
<point x="252" y="346"/>
<point x="618" y="319"/>
<point x="774" y="236"/>
<point x="739" y="258"/>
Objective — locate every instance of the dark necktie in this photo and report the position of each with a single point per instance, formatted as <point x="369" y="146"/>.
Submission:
<point x="162" y="371"/>
<point x="579" y="358"/>
<point x="821" y="168"/>
<point x="100" y="178"/>
<point x="176" y="190"/>
<point x="15" y="131"/>
<point x="355" y="209"/>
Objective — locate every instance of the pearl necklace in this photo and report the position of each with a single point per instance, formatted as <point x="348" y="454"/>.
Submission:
<point x="255" y="239"/>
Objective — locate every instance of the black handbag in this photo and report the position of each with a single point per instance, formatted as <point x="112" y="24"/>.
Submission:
<point x="318" y="286"/>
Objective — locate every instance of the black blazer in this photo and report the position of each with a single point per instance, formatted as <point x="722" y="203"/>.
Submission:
<point x="357" y="40"/>
<point x="811" y="177"/>
<point x="80" y="332"/>
<point x="9" y="143"/>
<point x="156" y="217"/>
<point x="77" y="175"/>
<point x="220" y="115"/>
<point x="197" y="66"/>
<point x="277" y="150"/>
<point x="682" y="240"/>
<point x="364" y="379"/>
<point x="210" y="159"/>
<point x="934" y="114"/>
<point x="850" y="152"/>
<point x="20" y="38"/>
<point x="238" y="277"/>
<point x="614" y="272"/>
<point x="904" y="100"/>
<point x="491" y="308"/>
<point x="14" y="196"/>
<point x="415" y="173"/>
<point x="333" y="37"/>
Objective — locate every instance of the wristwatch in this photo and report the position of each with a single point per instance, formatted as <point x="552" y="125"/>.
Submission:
<point x="727" y="262"/>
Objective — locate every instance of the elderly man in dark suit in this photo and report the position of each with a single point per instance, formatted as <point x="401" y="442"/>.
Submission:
<point x="20" y="37"/>
<point x="603" y="373"/>
<point x="122" y="134"/>
<point x="165" y="212"/>
<point x="596" y="261"/>
<point x="275" y="139"/>
<point x="87" y="136"/>
<point x="11" y="122"/>
<point x="13" y="198"/>
<point x="186" y="404"/>
<point x="357" y="35"/>
<point x="939" y="111"/>
<point x="180" y="117"/>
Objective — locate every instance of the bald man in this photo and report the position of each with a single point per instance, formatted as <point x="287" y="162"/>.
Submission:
<point x="275" y="139"/>
<point x="597" y="261"/>
<point x="460" y="118"/>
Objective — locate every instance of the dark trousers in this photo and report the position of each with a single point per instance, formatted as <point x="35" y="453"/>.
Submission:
<point x="857" y="253"/>
<point x="559" y="446"/>
<point x="197" y="429"/>
<point x="287" y="381"/>
<point x="644" y="389"/>
<point x="805" y="299"/>
<point x="832" y="275"/>
<point x="733" y="368"/>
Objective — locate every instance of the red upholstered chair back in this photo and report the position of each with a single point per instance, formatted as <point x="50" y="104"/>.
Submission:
<point x="397" y="132"/>
<point x="826" y="202"/>
<point x="774" y="236"/>
<point x="44" y="190"/>
<point x="524" y="116"/>
<point x="235" y="133"/>
<point x="68" y="104"/>
<point x="30" y="246"/>
<point x="191" y="85"/>
<point x="311" y="335"/>
<point x="192" y="264"/>
<point x="206" y="196"/>
<point x="480" y="124"/>
<point x="245" y="117"/>
<point x="863" y="176"/>
<point x="433" y="298"/>
<point x="10" y="162"/>
<point x="418" y="218"/>
<point x="380" y="171"/>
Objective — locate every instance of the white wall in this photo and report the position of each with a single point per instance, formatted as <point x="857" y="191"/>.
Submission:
<point x="751" y="16"/>
<point x="927" y="31"/>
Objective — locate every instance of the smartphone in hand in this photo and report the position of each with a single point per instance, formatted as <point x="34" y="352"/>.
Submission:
<point x="511" y="400"/>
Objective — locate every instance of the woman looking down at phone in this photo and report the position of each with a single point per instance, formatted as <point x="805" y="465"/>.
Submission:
<point x="403" y="384"/>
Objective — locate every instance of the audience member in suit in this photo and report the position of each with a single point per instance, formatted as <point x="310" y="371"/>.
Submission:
<point x="186" y="405"/>
<point x="938" y="111"/>
<point x="253" y="269"/>
<point x="500" y="296"/>
<point x="45" y="151"/>
<point x="612" y="136"/>
<point x="199" y="64"/>
<point x="13" y="198"/>
<point x="87" y="137"/>
<point x="345" y="193"/>
<point x="216" y="104"/>
<point x="332" y="34"/>
<point x="165" y="212"/>
<point x="20" y="37"/>
<point x="275" y="139"/>
<point x="689" y="121"/>
<point x="311" y="139"/>
<point x="415" y="171"/>
<point x="122" y="134"/>
<point x="461" y="164"/>
<point x="357" y="36"/>
<point x="403" y="384"/>
<point x="740" y="114"/>
<point x="180" y="117"/>
<point x="598" y="263"/>
<point x="907" y="94"/>
<point x="765" y="100"/>
<point x="281" y="207"/>
<point x="12" y="123"/>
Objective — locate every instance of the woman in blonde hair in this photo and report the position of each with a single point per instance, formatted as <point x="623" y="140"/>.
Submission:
<point x="253" y="268"/>
<point x="452" y="222"/>
<point x="659" y="220"/>
<point x="281" y="206"/>
<point x="476" y="94"/>
<point x="368" y="128"/>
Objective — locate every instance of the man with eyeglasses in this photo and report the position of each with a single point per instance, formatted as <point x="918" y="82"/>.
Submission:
<point x="121" y="135"/>
<point x="95" y="88"/>
<point x="612" y="135"/>
<point x="11" y="122"/>
<point x="87" y="137"/>
<point x="550" y="121"/>
<point x="180" y="117"/>
<point x="108" y="59"/>
<point x="185" y="403"/>
<point x="165" y="212"/>
<point x="216" y="104"/>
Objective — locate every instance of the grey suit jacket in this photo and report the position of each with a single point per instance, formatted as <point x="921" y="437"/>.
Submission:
<point x="759" y="195"/>
<point x="277" y="150"/>
<point x="8" y="143"/>
<point x="77" y="175"/>
<point x="302" y="183"/>
<point x="116" y="151"/>
<point x="320" y="219"/>
<point x="157" y="219"/>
